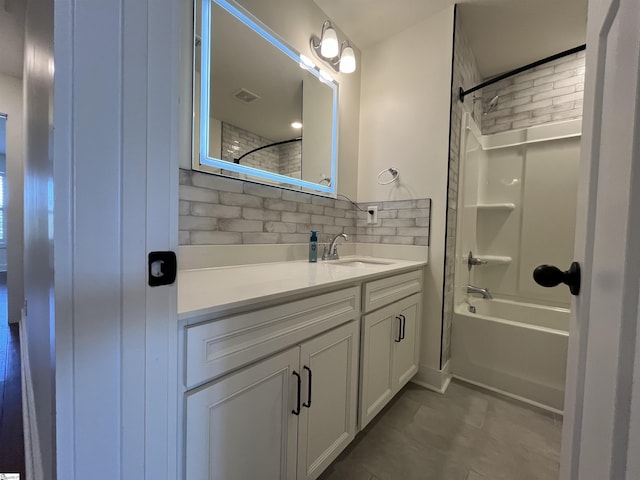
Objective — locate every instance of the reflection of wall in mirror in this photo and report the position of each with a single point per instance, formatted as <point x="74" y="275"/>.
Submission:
<point x="215" y="134"/>
<point x="317" y="121"/>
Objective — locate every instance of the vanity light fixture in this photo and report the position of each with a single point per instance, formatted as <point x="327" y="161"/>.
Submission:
<point x="341" y="57"/>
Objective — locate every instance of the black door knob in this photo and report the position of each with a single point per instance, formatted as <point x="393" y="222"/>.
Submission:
<point x="550" y="276"/>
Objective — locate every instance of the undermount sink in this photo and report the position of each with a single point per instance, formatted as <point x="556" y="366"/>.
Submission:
<point x="359" y="262"/>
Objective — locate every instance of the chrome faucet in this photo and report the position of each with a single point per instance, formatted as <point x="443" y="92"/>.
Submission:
<point x="482" y="291"/>
<point x="332" y="253"/>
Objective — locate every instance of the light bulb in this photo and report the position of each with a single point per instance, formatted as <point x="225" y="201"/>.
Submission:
<point x="329" y="47"/>
<point x="296" y="125"/>
<point x="348" y="60"/>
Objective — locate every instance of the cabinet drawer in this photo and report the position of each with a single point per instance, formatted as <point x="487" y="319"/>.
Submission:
<point x="217" y="347"/>
<point x="387" y="290"/>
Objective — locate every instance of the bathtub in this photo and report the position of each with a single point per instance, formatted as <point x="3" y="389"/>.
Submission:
<point x="519" y="349"/>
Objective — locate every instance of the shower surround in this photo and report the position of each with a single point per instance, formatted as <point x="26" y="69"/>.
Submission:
<point x="517" y="207"/>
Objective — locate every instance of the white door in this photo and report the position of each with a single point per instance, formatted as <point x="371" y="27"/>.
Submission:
<point x="381" y="329"/>
<point x="406" y="354"/>
<point x="329" y="365"/>
<point x="244" y="426"/>
<point x="601" y="437"/>
<point x="115" y="199"/>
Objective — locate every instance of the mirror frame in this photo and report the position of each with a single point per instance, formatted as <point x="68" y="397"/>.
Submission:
<point x="202" y="158"/>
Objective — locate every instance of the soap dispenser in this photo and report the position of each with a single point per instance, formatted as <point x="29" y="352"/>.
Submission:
<point x="313" y="247"/>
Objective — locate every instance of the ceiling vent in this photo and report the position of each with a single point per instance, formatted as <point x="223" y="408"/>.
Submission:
<point x="245" y="96"/>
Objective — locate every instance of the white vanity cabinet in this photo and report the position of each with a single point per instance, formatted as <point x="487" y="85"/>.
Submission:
<point x="390" y="340"/>
<point x="286" y="416"/>
<point x="242" y="425"/>
<point x="276" y="388"/>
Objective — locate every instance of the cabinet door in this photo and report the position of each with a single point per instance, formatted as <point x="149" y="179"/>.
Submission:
<point x="329" y="365"/>
<point x="406" y="354"/>
<point x="242" y="426"/>
<point x="380" y="328"/>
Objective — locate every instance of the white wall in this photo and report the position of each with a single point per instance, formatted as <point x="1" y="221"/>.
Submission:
<point x="296" y="21"/>
<point x="404" y="123"/>
<point x="11" y="104"/>
<point x="38" y="326"/>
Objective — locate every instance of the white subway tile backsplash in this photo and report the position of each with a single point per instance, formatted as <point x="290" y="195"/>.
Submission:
<point x="213" y="210"/>
<point x="334" y="212"/>
<point x="413" y="213"/>
<point x="322" y="220"/>
<point x="216" y="182"/>
<point x="396" y="240"/>
<point x="274" y="204"/>
<point x="262" y="190"/>
<point x="195" y="194"/>
<point x="398" y="222"/>
<point x="298" y="197"/>
<point x="235" y="225"/>
<point x="280" y="227"/>
<point x="186" y="222"/>
<point x="263" y="214"/>
<point x="296" y="217"/>
<point x="184" y="238"/>
<point x="240" y="200"/>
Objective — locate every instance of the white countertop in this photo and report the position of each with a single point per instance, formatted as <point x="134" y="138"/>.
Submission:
<point x="208" y="291"/>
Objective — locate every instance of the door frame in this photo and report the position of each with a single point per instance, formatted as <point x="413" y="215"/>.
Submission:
<point x="601" y="435"/>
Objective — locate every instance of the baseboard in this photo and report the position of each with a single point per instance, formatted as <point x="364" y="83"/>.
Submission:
<point x="433" y="379"/>
<point x="541" y="406"/>
<point x="33" y="458"/>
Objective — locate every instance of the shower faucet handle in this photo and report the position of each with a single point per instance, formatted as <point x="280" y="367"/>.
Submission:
<point x="473" y="261"/>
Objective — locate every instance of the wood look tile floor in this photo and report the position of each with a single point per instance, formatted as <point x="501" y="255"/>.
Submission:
<point x="11" y="434"/>
<point x="466" y="434"/>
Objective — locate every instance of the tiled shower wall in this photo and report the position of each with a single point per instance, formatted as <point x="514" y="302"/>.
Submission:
<point x="215" y="210"/>
<point x="465" y="74"/>
<point x="284" y="159"/>
<point x="549" y="93"/>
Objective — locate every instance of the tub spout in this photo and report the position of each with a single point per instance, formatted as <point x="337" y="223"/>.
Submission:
<point x="481" y="291"/>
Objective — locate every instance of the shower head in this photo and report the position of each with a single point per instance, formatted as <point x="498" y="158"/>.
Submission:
<point x="491" y="106"/>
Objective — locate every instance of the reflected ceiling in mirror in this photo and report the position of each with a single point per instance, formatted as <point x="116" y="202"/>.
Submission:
<point x="266" y="116"/>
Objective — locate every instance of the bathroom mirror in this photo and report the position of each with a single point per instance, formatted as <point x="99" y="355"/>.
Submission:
<point x="260" y="112"/>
